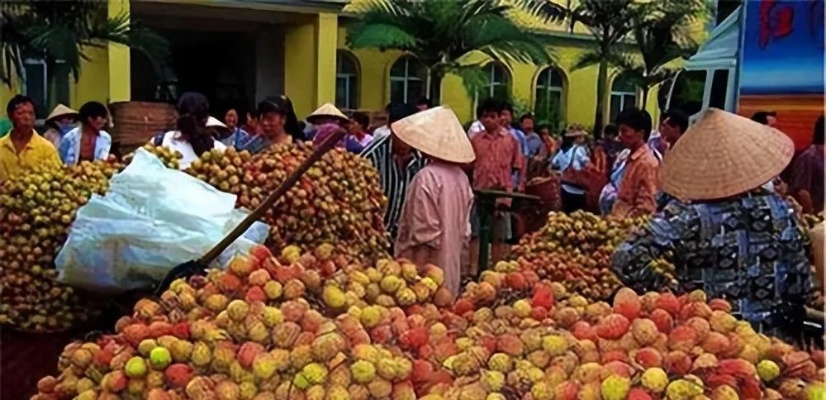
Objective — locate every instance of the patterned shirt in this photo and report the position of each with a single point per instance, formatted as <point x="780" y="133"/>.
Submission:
<point x="635" y="195"/>
<point x="70" y="146"/>
<point x="497" y="157"/>
<point x="393" y="178"/>
<point x="748" y="250"/>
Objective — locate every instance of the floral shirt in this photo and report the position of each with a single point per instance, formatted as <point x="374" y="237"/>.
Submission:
<point x="748" y="250"/>
<point x="70" y="150"/>
<point x="638" y="186"/>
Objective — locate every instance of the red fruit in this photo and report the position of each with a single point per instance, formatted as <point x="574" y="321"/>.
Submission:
<point x="720" y="379"/>
<point x="488" y="342"/>
<point x="638" y="394"/>
<point x="181" y="330"/>
<point x="720" y="304"/>
<point x="583" y="330"/>
<point x="425" y="352"/>
<point x="539" y="313"/>
<point x="229" y="283"/>
<point x="682" y="338"/>
<point x="619" y="368"/>
<point x="254" y="294"/>
<point x="531" y="278"/>
<point x="614" y="355"/>
<point x="178" y="375"/>
<point x="135" y="333"/>
<point x="159" y="328"/>
<point x="516" y="281"/>
<point x="381" y="334"/>
<point x="662" y="319"/>
<point x="627" y="303"/>
<point x="463" y="306"/>
<point x="567" y="391"/>
<point x="445" y="349"/>
<point x="510" y="344"/>
<point x="247" y="352"/>
<point x="818" y="356"/>
<point x="668" y="302"/>
<point x="648" y="357"/>
<point x="715" y="343"/>
<point x="737" y="367"/>
<point x="677" y="363"/>
<point x="414" y="338"/>
<point x="293" y="311"/>
<point x="750" y="388"/>
<point x="612" y="326"/>
<point x="695" y="309"/>
<point x="543" y="297"/>
<point x="259" y="252"/>
<point x="443" y="297"/>
<point x="421" y="370"/>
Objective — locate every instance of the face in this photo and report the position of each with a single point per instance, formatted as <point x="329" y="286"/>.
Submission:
<point x="491" y="121"/>
<point x="545" y="132"/>
<point x="272" y="123"/>
<point x="231" y="119"/>
<point x="507" y="117"/>
<point x="527" y="125"/>
<point x="23" y="116"/>
<point x="669" y="132"/>
<point x="629" y="136"/>
<point x="96" y="123"/>
<point x="354" y="128"/>
<point x="771" y="121"/>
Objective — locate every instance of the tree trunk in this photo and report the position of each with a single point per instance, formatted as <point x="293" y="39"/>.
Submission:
<point x="435" y="89"/>
<point x="645" y="90"/>
<point x="602" y="81"/>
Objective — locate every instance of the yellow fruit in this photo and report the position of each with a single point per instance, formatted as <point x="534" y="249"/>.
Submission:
<point x="315" y="373"/>
<point x="555" y="345"/>
<point x="493" y="381"/>
<point x="654" y="380"/>
<point x="159" y="358"/>
<point x="370" y="316"/>
<point x="683" y="389"/>
<point x="390" y="283"/>
<point x="542" y="390"/>
<point x="522" y="308"/>
<point x="768" y="370"/>
<point x="273" y="290"/>
<point x="135" y="367"/>
<point x="406" y="296"/>
<point x="500" y="362"/>
<point x="363" y="371"/>
<point x="724" y="392"/>
<point x="333" y="297"/>
<point x="615" y="388"/>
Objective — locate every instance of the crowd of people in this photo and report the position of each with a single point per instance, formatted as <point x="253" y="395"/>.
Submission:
<point x="715" y="189"/>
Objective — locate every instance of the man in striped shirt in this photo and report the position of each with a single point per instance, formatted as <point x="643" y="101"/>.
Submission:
<point x="396" y="163"/>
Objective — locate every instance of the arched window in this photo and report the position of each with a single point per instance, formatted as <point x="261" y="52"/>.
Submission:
<point x="550" y="89"/>
<point x="346" y="81"/>
<point x="498" y="81"/>
<point x="623" y="95"/>
<point x="407" y="80"/>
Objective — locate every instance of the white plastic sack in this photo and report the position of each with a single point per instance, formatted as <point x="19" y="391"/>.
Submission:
<point x="151" y="219"/>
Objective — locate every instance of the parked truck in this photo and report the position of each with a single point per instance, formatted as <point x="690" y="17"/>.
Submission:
<point x="768" y="55"/>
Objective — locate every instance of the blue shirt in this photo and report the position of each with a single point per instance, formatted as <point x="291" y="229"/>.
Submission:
<point x="534" y="144"/>
<point x="747" y="250"/>
<point x="250" y="143"/>
<point x="69" y="149"/>
<point x="575" y="157"/>
<point x="231" y="140"/>
<point x="523" y="147"/>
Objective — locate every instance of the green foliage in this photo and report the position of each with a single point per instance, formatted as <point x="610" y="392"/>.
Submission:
<point x="442" y="33"/>
<point x="60" y="30"/>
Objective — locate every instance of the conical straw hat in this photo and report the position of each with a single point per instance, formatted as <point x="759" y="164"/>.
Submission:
<point x="61" y="111"/>
<point x="213" y="122"/>
<point x="436" y="132"/>
<point x="723" y="155"/>
<point x="328" y="110"/>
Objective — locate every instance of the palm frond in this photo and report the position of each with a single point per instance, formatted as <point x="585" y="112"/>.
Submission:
<point x="588" y="59"/>
<point x="380" y="36"/>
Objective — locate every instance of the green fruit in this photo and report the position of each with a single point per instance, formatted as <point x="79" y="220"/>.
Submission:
<point x="135" y="367"/>
<point x="160" y="358"/>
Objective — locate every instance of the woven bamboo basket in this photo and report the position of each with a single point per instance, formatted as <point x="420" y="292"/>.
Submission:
<point x="136" y="122"/>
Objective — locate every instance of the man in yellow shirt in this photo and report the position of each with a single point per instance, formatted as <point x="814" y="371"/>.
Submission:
<point x="23" y="148"/>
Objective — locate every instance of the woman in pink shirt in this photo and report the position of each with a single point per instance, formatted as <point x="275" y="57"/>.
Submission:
<point x="435" y="222"/>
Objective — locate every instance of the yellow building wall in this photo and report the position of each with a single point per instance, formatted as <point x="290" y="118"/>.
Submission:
<point x="580" y="97"/>
<point x="310" y="62"/>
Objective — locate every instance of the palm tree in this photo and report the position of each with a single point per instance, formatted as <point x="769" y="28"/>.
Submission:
<point x="442" y="33"/>
<point x="661" y="33"/>
<point x="59" y="31"/>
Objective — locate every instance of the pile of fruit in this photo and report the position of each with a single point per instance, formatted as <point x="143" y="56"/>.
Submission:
<point x="337" y="201"/>
<point x="248" y="332"/>
<point x="296" y="327"/>
<point x="36" y="210"/>
<point x="575" y="250"/>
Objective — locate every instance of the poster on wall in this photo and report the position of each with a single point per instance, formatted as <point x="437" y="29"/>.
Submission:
<point x="781" y="66"/>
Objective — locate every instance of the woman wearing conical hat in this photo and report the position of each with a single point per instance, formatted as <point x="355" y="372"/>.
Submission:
<point x="434" y="225"/>
<point x="61" y="120"/>
<point x="724" y="233"/>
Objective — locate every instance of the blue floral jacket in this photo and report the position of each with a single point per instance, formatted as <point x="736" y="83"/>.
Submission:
<point x="69" y="149"/>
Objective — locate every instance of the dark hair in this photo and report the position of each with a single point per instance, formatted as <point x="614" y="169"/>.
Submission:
<point x="507" y="106"/>
<point x="637" y="119"/>
<point x="817" y="134"/>
<point x="16" y="101"/>
<point x="193" y="111"/>
<point x="610" y="130"/>
<point x="362" y="119"/>
<point x="676" y="118"/>
<point x="282" y="105"/>
<point x="490" y="105"/>
<point x="526" y="116"/>
<point x="401" y="111"/>
<point x="763" y="116"/>
<point x="388" y="107"/>
<point x="423" y="101"/>
<point x="92" y="109"/>
<point x="544" y="126"/>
